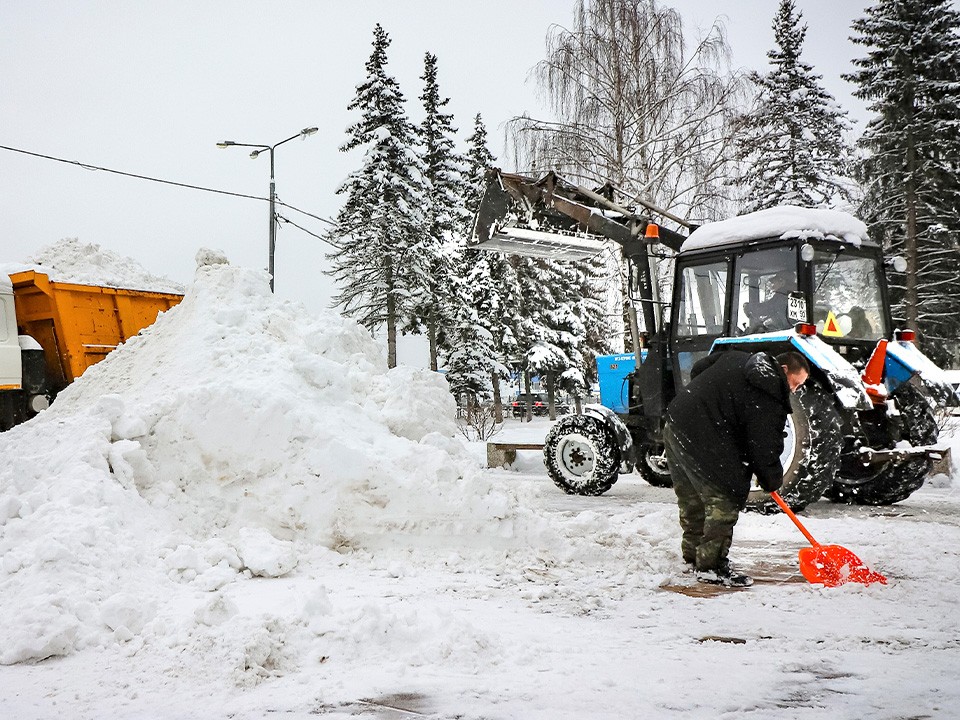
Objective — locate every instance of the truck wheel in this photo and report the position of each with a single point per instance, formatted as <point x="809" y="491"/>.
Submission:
<point x="582" y="455"/>
<point x="897" y="479"/>
<point x="811" y="451"/>
<point x="652" y="466"/>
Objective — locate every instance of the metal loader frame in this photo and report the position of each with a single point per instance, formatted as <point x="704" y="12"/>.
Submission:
<point x="550" y="217"/>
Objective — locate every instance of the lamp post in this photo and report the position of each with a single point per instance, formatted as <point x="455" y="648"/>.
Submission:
<point x="306" y="132"/>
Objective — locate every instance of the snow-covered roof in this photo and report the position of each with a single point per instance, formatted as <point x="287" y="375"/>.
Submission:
<point x="786" y="222"/>
<point x="5" y="284"/>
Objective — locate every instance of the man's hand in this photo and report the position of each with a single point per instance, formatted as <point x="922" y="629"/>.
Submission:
<point x="771" y="485"/>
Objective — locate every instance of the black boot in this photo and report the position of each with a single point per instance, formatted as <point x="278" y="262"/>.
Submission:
<point x="724" y="575"/>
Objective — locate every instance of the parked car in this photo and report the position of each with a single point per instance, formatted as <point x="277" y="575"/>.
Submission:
<point x="518" y="406"/>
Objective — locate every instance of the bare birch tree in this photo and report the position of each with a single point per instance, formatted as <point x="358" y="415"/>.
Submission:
<point x="639" y="104"/>
<point x="636" y="104"/>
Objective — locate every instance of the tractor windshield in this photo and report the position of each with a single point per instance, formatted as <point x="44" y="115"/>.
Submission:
<point x="846" y="299"/>
<point x="765" y="280"/>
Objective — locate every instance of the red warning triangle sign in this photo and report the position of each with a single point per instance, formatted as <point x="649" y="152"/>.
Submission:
<point x="831" y="328"/>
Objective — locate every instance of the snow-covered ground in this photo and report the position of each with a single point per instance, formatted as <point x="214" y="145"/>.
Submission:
<point x="242" y="514"/>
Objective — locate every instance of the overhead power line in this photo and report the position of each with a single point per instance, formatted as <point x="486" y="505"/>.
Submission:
<point x="328" y="241"/>
<point x="87" y="166"/>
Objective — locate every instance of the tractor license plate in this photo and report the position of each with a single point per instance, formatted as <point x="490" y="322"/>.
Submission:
<point x="797" y="307"/>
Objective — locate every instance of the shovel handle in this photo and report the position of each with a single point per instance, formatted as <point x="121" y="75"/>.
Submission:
<point x="796" y="521"/>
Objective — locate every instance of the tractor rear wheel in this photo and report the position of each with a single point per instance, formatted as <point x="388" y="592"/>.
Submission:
<point x="811" y="451"/>
<point x="582" y="455"/>
<point x="895" y="480"/>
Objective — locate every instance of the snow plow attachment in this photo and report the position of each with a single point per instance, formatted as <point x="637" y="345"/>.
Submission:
<point x="555" y="219"/>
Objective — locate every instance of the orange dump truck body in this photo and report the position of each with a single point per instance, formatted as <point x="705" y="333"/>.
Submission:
<point x="77" y="325"/>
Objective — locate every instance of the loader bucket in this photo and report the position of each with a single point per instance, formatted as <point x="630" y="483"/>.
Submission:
<point x="493" y="211"/>
<point x="553" y="218"/>
<point x="541" y="218"/>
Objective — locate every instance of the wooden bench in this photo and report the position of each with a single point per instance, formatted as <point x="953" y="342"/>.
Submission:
<point x="501" y="454"/>
<point x="942" y="466"/>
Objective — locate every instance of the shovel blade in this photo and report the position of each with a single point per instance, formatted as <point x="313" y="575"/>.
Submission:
<point x="834" y="565"/>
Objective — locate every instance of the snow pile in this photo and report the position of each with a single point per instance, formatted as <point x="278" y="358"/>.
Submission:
<point x="223" y="442"/>
<point x="786" y="221"/>
<point x="72" y="261"/>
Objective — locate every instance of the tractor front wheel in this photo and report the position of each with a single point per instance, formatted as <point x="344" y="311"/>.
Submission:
<point x="652" y="465"/>
<point x="582" y="455"/>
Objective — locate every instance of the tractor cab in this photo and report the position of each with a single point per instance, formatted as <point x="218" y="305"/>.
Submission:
<point x="741" y="290"/>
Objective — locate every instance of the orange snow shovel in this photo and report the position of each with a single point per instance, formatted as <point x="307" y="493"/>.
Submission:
<point x="830" y="565"/>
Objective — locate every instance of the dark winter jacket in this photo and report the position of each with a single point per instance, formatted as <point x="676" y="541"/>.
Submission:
<point x="730" y="419"/>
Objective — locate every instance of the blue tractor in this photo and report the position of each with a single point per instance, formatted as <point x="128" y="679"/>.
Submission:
<point x="864" y="427"/>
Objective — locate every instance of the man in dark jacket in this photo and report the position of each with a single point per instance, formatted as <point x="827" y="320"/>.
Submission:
<point x="723" y="428"/>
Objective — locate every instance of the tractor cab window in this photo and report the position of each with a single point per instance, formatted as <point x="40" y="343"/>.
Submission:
<point x="765" y="281"/>
<point x="846" y="297"/>
<point x="703" y="299"/>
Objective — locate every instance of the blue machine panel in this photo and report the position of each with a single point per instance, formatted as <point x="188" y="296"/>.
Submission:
<point x="612" y="371"/>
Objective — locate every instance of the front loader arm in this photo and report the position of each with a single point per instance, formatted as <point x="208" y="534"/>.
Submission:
<point x="553" y="218"/>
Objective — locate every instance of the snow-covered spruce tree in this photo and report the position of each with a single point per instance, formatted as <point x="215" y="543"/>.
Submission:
<point x="473" y="356"/>
<point x="564" y="333"/>
<point x="432" y="266"/>
<point x="480" y="284"/>
<point x="379" y="226"/>
<point x="545" y="329"/>
<point x="595" y="283"/>
<point x="560" y="322"/>
<point x="523" y="315"/>
<point x="911" y="173"/>
<point x="792" y="143"/>
<point x="478" y="160"/>
<point x="553" y="321"/>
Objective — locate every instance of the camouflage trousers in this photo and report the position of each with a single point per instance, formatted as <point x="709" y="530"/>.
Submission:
<point x="707" y="514"/>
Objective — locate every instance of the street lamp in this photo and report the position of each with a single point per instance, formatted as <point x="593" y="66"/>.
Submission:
<point x="306" y="132"/>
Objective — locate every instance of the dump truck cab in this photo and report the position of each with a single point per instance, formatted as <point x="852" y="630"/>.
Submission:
<point x="23" y="384"/>
<point x="10" y="369"/>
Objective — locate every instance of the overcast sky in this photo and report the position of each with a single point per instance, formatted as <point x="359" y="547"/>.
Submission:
<point x="150" y="88"/>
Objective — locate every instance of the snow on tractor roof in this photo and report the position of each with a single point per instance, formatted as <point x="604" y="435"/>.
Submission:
<point x="786" y="222"/>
